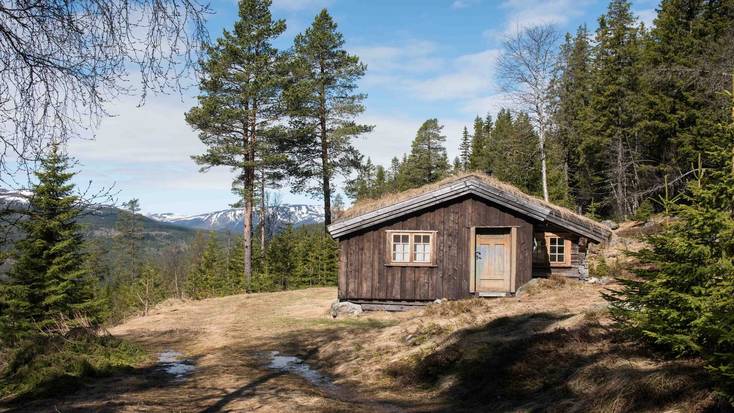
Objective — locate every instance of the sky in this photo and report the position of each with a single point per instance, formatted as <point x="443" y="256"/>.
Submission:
<point x="425" y="59"/>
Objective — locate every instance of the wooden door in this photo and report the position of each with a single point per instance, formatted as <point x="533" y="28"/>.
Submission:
<point x="493" y="253"/>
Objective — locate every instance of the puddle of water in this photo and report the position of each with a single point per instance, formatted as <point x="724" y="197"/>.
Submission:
<point x="170" y="361"/>
<point x="296" y="365"/>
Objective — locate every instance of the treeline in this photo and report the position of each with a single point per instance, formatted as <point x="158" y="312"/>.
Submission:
<point x="134" y="279"/>
<point x="628" y="110"/>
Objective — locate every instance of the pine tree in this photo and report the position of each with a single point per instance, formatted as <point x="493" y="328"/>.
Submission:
<point x="687" y="55"/>
<point x="427" y="161"/>
<point x="129" y="225"/>
<point x="379" y="186"/>
<point x="281" y="256"/>
<point x="204" y="278"/>
<point x="573" y="92"/>
<point x="323" y="105"/>
<point x="477" y="161"/>
<point x="361" y="187"/>
<point x="612" y="151"/>
<point x="684" y="299"/>
<point x="240" y="100"/>
<point x="465" y="150"/>
<point x="147" y="288"/>
<point x="48" y="281"/>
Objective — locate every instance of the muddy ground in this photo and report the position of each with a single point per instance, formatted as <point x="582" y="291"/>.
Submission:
<point x="550" y="350"/>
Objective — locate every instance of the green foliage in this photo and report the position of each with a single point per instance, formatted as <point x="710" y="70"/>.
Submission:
<point x="683" y="300"/>
<point x="48" y="281"/>
<point x="573" y="91"/>
<point x="207" y="278"/>
<point x="323" y="106"/>
<point x="241" y="97"/>
<point x="51" y="365"/>
<point x="644" y="211"/>
<point x="427" y="161"/>
<point x="465" y="151"/>
<point x="302" y="257"/>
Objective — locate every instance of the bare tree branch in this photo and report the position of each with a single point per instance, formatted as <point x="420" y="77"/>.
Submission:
<point x="62" y="62"/>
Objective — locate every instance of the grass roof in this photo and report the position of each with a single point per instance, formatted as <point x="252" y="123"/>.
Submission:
<point x="369" y="205"/>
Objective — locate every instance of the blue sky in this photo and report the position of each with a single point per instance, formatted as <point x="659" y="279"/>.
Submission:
<point x="429" y="58"/>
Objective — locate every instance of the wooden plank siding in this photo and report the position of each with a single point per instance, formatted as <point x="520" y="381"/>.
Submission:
<point x="578" y="255"/>
<point x="363" y="274"/>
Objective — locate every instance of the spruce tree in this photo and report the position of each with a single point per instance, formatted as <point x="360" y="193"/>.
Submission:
<point x="323" y="106"/>
<point x="129" y="225"/>
<point x="239" y="102"/>
<point x="205" y="277"/>
<point x="477" y="161"/>
<point x="687" y="54"/>
<point x="612" y="153"/>
<point x="48" y="281"/>
<point x="427" y="161"/>
<point x="465" y="149"/>
<point x="683" y="301"/>
<point x="573" y="92"/>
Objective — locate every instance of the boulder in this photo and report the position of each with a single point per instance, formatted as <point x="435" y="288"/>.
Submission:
<point x="610" y="224"/>
<point x="340" y="308"/>
<point x="523" y="290"/>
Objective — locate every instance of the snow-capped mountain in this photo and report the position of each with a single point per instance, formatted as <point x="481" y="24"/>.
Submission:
<point x="231" y="219"/>
<point x="14" y="198"/>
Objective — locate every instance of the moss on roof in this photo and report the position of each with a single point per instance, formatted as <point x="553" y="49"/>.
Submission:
<point x="369" y="205"/>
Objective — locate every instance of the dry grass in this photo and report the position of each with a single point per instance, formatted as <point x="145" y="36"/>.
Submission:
<point x="550" y="351"/>
<point x="369" y="205"/>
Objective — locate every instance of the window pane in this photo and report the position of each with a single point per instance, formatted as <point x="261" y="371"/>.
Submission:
<point x="422" y="247"/>
<point x="400" y="248"/>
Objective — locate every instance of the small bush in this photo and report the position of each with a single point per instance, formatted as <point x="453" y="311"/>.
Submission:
<point x="51" y="364"/>
<point x="644" y="211"/>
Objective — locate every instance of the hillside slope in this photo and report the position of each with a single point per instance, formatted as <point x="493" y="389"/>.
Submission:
<point x="550" y="350"/>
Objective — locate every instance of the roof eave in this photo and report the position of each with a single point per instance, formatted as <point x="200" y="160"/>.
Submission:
<point x="449" y="192"/>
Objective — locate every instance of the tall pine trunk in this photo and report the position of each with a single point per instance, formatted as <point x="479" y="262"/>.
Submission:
<point x="325" y="170"/>
<point x="263" y="213"/>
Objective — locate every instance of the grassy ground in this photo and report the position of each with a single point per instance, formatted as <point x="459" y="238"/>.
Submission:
<point x="551" y="350"/>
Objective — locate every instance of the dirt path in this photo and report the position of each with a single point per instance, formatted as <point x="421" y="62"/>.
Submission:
<point x="230" y="341"/>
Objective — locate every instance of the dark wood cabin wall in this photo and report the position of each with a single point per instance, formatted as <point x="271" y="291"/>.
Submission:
<point x="364" y="275"/>
<point x="578" y="256"/>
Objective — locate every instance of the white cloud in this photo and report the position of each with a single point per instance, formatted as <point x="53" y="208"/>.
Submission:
<point x="393" y="135"/>
<point x="155" y="132"/>
<point x="488" y="104"/>
<point x="526" y="13"/>
<point x="417" y="68"/>
<point x="463" y="4"/>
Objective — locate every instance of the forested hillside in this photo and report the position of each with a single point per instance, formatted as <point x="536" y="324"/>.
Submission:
<point x="629" y="111"/>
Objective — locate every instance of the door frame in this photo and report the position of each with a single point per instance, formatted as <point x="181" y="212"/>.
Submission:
<point x="472" y="255"/>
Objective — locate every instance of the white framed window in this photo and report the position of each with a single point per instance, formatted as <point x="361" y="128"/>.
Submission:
<point x="558" y="249"/>
<point x="422" y="247"/>
<point x="400" y="248"/>
<point x="411" y="248"/>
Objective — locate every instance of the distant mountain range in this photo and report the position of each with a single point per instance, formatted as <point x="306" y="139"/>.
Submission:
<point x="101" y="221"/>
<point x="231" y="219"/>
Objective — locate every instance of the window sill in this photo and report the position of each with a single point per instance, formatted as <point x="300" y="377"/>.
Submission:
<point x="411" y="264"/>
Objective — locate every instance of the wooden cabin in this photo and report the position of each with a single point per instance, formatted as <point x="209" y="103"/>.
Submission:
<point x="469" y="235"/>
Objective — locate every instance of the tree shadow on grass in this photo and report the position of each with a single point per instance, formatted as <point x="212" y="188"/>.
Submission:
<point x="519" y="363"/>
<point x="529" y="362"/>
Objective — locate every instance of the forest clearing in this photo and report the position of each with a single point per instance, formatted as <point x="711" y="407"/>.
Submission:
<point x="459" y="355"/>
